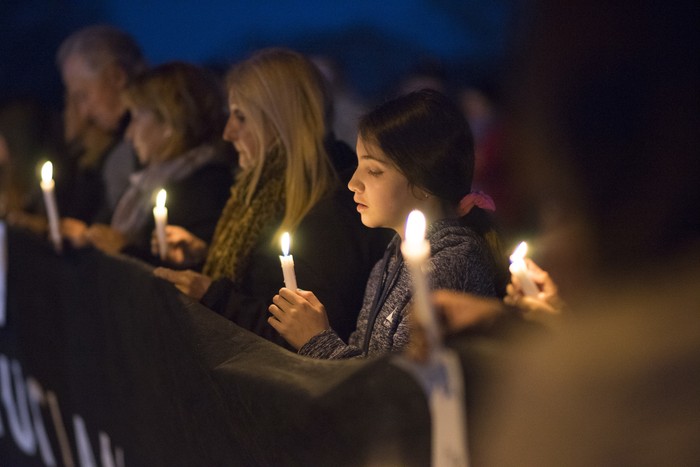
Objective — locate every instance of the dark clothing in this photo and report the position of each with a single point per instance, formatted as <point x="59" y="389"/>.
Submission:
<point x="81" y="192"/>
<point x="343" y="158"/>
<point x="459" y="260"/>
<point x="333" y="255"/>
<point x="193" y="203"/>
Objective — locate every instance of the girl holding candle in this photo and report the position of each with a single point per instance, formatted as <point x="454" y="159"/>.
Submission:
<point x="177" y="111"/>
<point x="415" y="152"/>
<point x="279" y="112"/>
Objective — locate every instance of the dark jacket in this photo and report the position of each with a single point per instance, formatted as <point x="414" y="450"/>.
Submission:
<point x="194" y="203"/>
<point x="82" y="192"/>
<point x="333" y="255"/>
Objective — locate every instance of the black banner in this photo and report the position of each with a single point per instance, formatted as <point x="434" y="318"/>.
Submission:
<point x="103" y="364"/>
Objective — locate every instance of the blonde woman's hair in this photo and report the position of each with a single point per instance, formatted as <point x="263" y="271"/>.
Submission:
<point x="187" y="98"/>
<point x="287" y="105"/>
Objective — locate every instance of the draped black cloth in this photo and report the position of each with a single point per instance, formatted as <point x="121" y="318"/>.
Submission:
<point x="161" y="380"/>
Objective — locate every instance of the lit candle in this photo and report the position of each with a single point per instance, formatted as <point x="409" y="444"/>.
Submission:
<point x="47" y="185"/>
<point x="518" y="268"/>
<point x="160" y="214"/>
<point x="416" y="252"/>
<point x="290" y="279"/>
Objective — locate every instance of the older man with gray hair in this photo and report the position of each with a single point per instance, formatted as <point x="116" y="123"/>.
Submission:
<point x="96" y="64"/>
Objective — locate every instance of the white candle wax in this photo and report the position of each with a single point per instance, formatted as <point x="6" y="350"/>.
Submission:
<point x="287" y="261"/>
<point x="416" y="252"/>
<point x="160" y="214"/>
<point x="518" y="268"/>
<point x="47" y="187"/>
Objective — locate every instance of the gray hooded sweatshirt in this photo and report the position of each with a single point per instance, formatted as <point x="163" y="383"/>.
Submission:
<point x="459" y="260"/>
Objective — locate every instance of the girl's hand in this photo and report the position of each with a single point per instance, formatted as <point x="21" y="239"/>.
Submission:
<point x="188" y="282"/>
<point x="297" y="316"/>
<point x="184" y="248"/>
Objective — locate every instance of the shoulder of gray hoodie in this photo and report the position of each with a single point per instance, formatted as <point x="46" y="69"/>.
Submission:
<point x="459" y="260"/>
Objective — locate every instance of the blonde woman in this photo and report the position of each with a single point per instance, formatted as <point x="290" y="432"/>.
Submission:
<point x="279" y="110"/>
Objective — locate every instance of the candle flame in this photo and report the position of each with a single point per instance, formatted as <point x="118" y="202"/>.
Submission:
<point x="46" y="172"/>
<point x="519" y="252"/>
<point x="286" y="240"/>
<point x="160" y="199"/>
<point x="415" y="228"/>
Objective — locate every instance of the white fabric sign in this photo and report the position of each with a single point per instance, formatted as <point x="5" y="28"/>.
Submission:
<point x="442" y="381"/>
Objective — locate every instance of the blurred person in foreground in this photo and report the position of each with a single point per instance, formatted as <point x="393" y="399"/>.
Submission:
<point x="605" y="118"/>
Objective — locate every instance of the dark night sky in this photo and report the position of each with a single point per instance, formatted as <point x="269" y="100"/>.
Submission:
<point x="374" y="42"/>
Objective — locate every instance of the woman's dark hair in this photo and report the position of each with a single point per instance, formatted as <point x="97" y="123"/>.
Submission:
<point x="428" y="139"/>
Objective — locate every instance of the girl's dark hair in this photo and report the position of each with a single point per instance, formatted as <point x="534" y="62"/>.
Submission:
<point x="428" y="139"/>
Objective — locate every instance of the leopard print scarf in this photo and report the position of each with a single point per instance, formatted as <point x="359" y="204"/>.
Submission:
<point x="242" y="225"/>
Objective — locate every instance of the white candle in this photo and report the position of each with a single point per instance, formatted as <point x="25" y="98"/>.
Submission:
<point x="518" y="268"/>
<point x="416" y="252"/>
<point x="287" y="260"/>
<point x="47" y="185"/>
<point x="160" y="214"/>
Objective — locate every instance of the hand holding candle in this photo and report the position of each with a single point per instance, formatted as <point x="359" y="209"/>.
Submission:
<point x="416" y="251"/>
<point x="47" y="186"/>
<point x="518" y="268"/>
<point x="290" y="279"/>
<point x="160" y="214"/>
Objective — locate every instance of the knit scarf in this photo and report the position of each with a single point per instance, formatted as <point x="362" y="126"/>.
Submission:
<point x="134" y="207"/>
<point x="242" y="225"/>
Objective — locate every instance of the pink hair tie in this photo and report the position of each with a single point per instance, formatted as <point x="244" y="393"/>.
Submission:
<point x="475" y="198"/>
